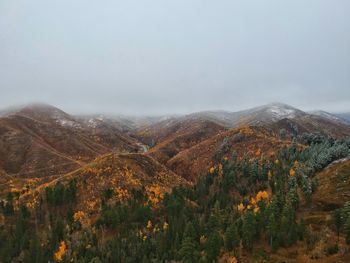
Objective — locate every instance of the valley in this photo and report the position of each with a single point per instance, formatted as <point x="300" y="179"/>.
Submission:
<point x="267" y="184"/>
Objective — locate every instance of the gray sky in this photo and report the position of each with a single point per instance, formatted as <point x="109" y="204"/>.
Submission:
<point x="175" y="56"/>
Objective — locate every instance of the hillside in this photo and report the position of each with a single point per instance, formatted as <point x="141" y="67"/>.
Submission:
<point x="317" y="124"/>
<point x="315" y="121"/>
<point x="311" y="124"/>
<point x="251" y="209"/>
<point x="187" y="144"/>
<point x="334" y="186"/>
<point x="120" y="122"/>
<point x="263" y="114"/>
<point x="344" y="116"/>
<point x="42" y="140"/>
<point x="188" y="188"/>
<point x="251" y="141"/>
<point x="119" y="173"/>
<point x="174" y="137"/>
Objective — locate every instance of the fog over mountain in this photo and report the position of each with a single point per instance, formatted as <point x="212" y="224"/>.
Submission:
<point x="174" y="131"/>
<point x="158" y="57"/>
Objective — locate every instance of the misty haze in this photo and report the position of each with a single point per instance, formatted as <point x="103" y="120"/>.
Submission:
<point x="175" y="131"/>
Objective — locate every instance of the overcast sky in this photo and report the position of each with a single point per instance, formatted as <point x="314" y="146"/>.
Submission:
<point x="175" y="56"/>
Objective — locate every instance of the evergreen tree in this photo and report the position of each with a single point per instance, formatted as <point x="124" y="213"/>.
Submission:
<point x="57" y="232"/>
<point x="248" y="230"/>
<point x="289" y="229"/>
<point x="190" y="232"/>
<point x="8" y="207"/>
<point x="34" y="255"/>
<point x="347" y="230"/>
<point x="232" y="239"/>
<point x="213" y="246"/>
<point x="301" y="229"/>
<point x="337" y="218"/>
<point x="273" y="231"/>
<point x="189" y="251"/>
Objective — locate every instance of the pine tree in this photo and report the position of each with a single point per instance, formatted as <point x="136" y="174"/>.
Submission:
<point x="20" y="229"/>
<point x="254" y="172"/>
<point x="57" y="233"/>
<point x="213" y="223"/>
<point x="289" y="229"/>
<point x="347" y="231"/>
<point x="337" y="221"/>
<point x="188" y="251"/>
<point x="232" y="239"/>
<point x="8" y="208"/>
<point x="190" y="231"/>
<point x="272" y="231"/>
<point x="213" y="246"/>
<point x="301" y="229"/>
<point x="248" y="230"/>
<point x="34" y="255"/>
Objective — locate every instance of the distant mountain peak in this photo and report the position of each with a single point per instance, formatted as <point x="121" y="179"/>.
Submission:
<point x="280" y="110"/>
<point x="270" y="112"/>
<point x="279" y="104"/>
<point x="329" y="116"/>
<point x="32" y="107"/>
<point x="42" y="112"/>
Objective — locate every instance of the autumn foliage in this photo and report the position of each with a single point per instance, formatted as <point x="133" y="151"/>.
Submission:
<point x="60" y="252"/>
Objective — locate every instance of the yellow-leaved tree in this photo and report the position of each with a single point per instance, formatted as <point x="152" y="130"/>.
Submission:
<point x="261" y="195"/>
<point x="292" y="172"/>
<point x="60" y="252"/>
<point x="240" y="207"/>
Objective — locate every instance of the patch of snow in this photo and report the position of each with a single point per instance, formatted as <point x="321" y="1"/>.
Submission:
<point x="280" y="112"/>
<point x="93" y="123"/>
<point x="67" y="123"/>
